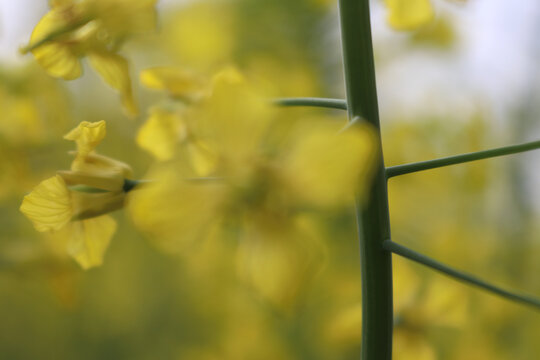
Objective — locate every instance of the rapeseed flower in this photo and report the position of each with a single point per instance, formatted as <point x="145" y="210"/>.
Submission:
<point x="267" y="176"/>
<point x="93" y="28"/>
<point x="168" y="129"/>
<point x="72" y="205"/>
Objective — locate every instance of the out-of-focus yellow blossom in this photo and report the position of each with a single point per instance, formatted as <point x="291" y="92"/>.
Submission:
<point x="213" y="23"/>
<point x="34" y="107"/>
<point x="283" y="79"/>
<point x="345" y="329"/>
<point x="263" y="180"/>
<point x="176" y="81"/>
<point x="440" y="33"/>
<point x="417" y="306"/>
<point x="169" y="129"/>
<point x="72" y="204"/>
<point x="440" y="303"/>
<point x="94" y="28"/>
<point x="409" y="14"/>
<point x="279" y="259"/>
<point x="161" y="133"/>
<point x="165" y="134"/>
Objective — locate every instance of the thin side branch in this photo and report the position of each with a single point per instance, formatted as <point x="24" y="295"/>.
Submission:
<point x="459" y="159"/>
<point x="314" y="102"/>
<point x="459" y="275"/>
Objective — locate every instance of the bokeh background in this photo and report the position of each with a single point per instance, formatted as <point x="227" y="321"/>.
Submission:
<point x="467" y="81"/>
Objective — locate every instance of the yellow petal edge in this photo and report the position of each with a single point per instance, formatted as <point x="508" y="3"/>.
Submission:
<point x="48" y="206"/>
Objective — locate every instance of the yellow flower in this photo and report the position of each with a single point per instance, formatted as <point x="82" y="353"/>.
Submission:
<point x="266" y="176"/>
<point x="72" y="204"/>
<point x="178" y="82"/>
<point x="94" y="28"/>
<point x="409" y="14"/>
<point x="168" y="131"/>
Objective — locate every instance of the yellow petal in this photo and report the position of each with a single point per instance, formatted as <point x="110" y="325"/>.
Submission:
<point x="87" y="136"/>
<point x="204" y="161"/>
<point x="104" y="166"/>
<point x="234" y="119"/>
<point x="110" y="181"/>
<point x="121" y="18"/>
<point x="278" y="259"/>
<point x="325" y="168"/>
<point x="177" y="81"/>
<point x="89" y="205"/>
<point x="89" y="239"/>
<point x="114" y="70"/>
<point x="409" y="14"/>
<point x="51" y="23"/>
<point x="175" y="212"/>
<point x="161" y="133"/>
<point x="48" y="206"/>
<point x="57" y="58"/>
<point x="60" y="3"/>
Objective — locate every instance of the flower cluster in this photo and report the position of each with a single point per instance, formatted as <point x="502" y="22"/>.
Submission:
<point x="72" y="205"/>
<point x="95" y="29"/>
<point x="263" y="177"/>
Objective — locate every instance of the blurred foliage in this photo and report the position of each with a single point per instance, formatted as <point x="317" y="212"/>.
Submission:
<point x="143" y="303"/>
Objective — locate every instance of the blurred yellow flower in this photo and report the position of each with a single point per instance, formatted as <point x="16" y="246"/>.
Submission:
<point x="264" y="179"/>
<point x="166" y="133"/>
<point x="34" y="106"/>
<point x="409" y="14"/>
<point x="214" y="24"/>
<point x="94" y="28"/>
<point x="179" y="82"/>
<point x="439" y="303"/>
<point x="168" y="129"/>
<point x="418" y="306"/>
<point x="72" y="204"/>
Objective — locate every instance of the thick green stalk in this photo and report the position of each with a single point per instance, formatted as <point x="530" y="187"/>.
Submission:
<point x="373" y="218"/>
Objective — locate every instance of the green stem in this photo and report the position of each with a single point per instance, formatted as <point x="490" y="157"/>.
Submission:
<point x="372" y="216"/>
<point x="311" y="101"/>
<point x="133" y="184"/>
<point x="459" y="275"/>
<point x="459" y="159"/>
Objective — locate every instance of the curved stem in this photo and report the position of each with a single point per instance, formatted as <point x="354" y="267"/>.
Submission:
<point x="372" y="217"/>
<point x="460" y="159"/>
<point x="312" y="101"/>
<point x="459" y="275"/>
